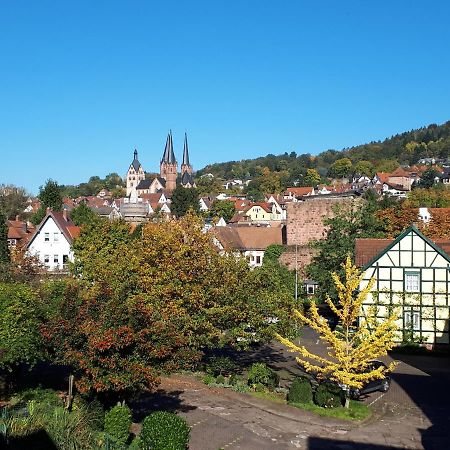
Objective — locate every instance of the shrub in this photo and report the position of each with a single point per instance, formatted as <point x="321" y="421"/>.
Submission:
<point x="209" y="379"/>
<point x="300" y="391"/>
<point x="220" y="379"/>
<point x="163" y="430"/>
<point x="136" y="444"/>
<point x="118" y="423"/>
<point x="260" y="373"/>
<point x="329" y="395"/>
<point x="233" y="379"/>
<point x="218" y="365"/>
<point x="259" y="387"/>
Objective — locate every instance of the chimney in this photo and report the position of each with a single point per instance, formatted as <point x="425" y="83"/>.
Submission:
<point x="65" y="214"/>
<point x="48" y="209"/>
<point x="17" y="218"/>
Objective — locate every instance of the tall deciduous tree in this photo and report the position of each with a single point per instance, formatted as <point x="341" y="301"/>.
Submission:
<point x="153" y="302"/>
<point x="352" y="346"/>
<point x="183" y="200"/>
<point x="223" y="208"/>
<point x="13" y="200"/>
<point x="20" y="339"/>
<point x="50" y="197"/>
<point x="83" y="215"/>
<point x="312" y="178"/>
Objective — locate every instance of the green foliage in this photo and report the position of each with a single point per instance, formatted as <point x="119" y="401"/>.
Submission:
<point x="183" y="200"/>
<point x="83" y="215"/>
<point x="223" y="208"/>
<point x="300" y="391"/>
<point x="113" y="182"/>
<point x="20" y="339"/>
<point x="340" y="168"/>
<point x="260" y="373"/>
<point x="4" y="248"/>
<point x="272" y="253"/>
<point x="154" y="303"/>
<point x="209" y="379"/>
<point x="329" y="395"/>
<point x="136" y="444"/>
<point x="163" y="430"/>
<point x="13" y="200"/>
<point x="51" y="197"/>
<point x="220" y="379"/>
<point x="428" y="178"/>
<point x="118" y="423"/>
<point x="356" y="411"/>
<point x="218" y="365"/>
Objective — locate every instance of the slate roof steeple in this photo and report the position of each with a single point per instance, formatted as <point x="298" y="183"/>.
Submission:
<point x="169" y="155"/>
<point x="185" y="151"/>
<point x="136" y="164"/>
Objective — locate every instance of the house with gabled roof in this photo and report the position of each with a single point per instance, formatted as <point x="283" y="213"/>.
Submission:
<point x="412" y="275"/>
<point x="52" y="241"/>
<point x="249" y="242"/>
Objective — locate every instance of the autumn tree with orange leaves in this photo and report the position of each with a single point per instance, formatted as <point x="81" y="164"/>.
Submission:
<point x="152" y="303"/>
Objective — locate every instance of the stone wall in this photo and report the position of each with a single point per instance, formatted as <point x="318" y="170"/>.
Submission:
<point x="303" y="255"/>
<point x="304" y="222"/>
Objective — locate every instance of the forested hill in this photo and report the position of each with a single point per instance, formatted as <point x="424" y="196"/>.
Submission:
<point x="404" y="148"/>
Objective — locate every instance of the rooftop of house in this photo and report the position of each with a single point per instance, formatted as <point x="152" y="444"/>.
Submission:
<point x="248" y="238"/>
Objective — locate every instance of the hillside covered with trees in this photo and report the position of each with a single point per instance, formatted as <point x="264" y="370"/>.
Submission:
<point x="406" y="148"/>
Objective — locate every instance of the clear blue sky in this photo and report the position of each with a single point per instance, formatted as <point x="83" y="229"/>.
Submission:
<point x="82" y="83"/>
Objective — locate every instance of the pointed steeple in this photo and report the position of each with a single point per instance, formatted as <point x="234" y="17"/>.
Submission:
<point x="185" y="152"/>
<point x="168" y="155"/>
<point x="135" y="162"/>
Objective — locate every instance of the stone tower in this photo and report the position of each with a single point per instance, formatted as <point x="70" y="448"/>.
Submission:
<point x="135" y="174"/>
<point x="169" y="166"/>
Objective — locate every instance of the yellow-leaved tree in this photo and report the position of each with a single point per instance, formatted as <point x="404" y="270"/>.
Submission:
<point x="358" y="339"/>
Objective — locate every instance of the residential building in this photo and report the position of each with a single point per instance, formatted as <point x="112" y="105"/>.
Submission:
<point x="52" y="241"/>
<point x="412" y="275"/>
<point x="249" y="242"/>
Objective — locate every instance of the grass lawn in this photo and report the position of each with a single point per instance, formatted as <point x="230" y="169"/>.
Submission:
<point x="272" y="396"/>
<point x="356" y="411"/>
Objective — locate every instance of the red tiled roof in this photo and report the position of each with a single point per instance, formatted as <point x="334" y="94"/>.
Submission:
<point x="248" y="238"/>
<point x="264" y="205"/>
<point x="399" y="172"/>
<point x="299" y="191"/>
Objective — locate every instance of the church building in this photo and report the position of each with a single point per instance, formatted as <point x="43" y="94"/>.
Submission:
<point x="138" y="184"/>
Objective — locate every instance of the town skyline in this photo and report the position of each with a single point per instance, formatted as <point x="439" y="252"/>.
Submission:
<point x="86" y="84"/>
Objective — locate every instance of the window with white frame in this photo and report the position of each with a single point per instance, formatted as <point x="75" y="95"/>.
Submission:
<point x="412" y="282"/>
<point x="56" y="237"/>
<point x="55" y="259"/>
<point x="46" y="237"/>
<point x="46" y="259"/>
<point x="412" y="320"/>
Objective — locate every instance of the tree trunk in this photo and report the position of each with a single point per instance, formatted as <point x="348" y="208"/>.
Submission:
<point x="347" y="401"/>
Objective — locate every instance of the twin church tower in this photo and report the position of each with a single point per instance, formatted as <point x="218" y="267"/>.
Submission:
<point x="137" y="183"/>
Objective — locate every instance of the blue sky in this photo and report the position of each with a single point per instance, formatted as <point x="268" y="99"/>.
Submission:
<point x="83" y="83"/>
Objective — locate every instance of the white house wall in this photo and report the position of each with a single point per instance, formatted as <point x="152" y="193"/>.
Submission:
<point x="413" y="254"/>
<point x="58" y="247"/>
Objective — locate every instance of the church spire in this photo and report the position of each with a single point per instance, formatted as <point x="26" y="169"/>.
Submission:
<point x="169" y="155"/>
<point x="185" y="152"/>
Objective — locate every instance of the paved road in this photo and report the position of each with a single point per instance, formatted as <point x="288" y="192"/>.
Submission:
<point x="413" y="414"/>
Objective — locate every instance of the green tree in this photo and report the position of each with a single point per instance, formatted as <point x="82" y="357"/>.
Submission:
<point x="183" y="200"/>
<point x="51" y="197"/>
<point x="223" y="208"/>
<point x="428" y="178"/>
<point x="13" y="200"/>
<point x="20" y="339"/>
<point x="83" y="215"/>
<point x="364" y="168"/>
<point x="4" y="247"/>
<point x="154" y="303"/>
<point x="312" y="178"/>
<point x="341" y="168"/>
<point x="208" y="186"/>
